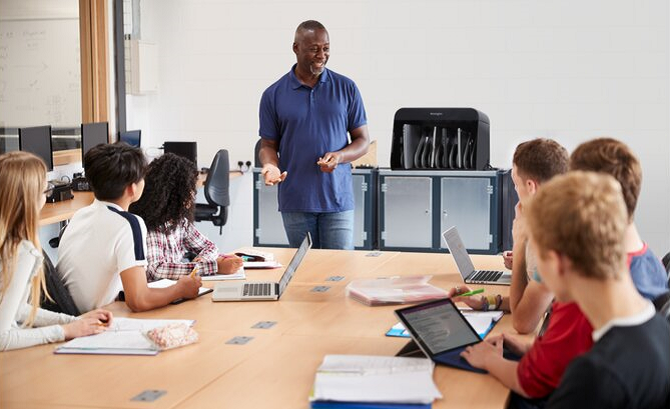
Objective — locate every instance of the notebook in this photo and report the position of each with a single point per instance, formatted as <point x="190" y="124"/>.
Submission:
<point x="125" y="336"/>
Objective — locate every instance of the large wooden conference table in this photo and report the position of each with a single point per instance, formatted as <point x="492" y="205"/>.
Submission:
<point x="275" y="369"/>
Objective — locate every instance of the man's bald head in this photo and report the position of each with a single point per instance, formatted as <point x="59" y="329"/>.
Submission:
<point x="307" y="26"/>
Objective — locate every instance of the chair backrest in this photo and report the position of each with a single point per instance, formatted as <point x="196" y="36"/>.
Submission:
<point x="665" y="310"/>
<point x="659" y="302"/>
<point x="62" y="300"/>
<point x="217" y="190"/>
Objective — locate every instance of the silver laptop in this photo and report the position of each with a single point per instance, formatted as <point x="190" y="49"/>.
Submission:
<point x="465" y="266"/>
<point x="268" y="290"/>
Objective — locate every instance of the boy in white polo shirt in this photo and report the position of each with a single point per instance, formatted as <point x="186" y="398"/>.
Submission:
<point x="103" y="249"/>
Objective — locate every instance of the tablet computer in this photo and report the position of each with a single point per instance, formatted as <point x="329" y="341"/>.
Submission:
<point x="441" y="331"/>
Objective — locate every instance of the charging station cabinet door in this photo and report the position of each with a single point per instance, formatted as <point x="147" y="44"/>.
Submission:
<point x="360" y="189"/>
<point x="466" y="204"/>
<point x="270" y="230"/>
<point x="407" y="215"/>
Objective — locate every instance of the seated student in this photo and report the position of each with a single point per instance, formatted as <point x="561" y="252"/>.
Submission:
<point x="613" y="157"/>
<point x="534" y="163"/>
<point x="578" y="223"/>
<point x="22" y="188"/>
<point x="102" y="251"/>
<point x="167" y="207"/>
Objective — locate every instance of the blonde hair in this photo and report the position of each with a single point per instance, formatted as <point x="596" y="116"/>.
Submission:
<point x="22" y="182"/>
<point x="581" y="215"/>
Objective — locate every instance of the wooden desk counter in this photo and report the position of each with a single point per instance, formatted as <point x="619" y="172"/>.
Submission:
<point x="112" y="381"/>
<point x="61" y="211"/>
<point x="319" y="265"/>
<point x="275" y="369"/>
<point x="282" y="375"/>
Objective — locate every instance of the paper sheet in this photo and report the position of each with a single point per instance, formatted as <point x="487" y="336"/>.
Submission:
<point x="137" y="324"/>
<point x="382" y="379"/>
<point x="262" y="264"/>
<point x="165" y="282"/>
<point x="112" y="340"/>
<point x="238" y="275"/>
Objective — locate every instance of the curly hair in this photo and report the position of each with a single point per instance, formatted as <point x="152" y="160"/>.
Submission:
<point x="169" y="193"/>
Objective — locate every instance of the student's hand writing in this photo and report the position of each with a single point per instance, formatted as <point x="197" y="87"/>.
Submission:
<point x="272" y="174"/>
<point x="189" y="286"/>
<point x="93" y="322"/>
<point x="229" y="264"/>
<point x="482" y="354"/>
<point x="329" y="162"/>
<point x="507" y="258"/>
<point x="476" y="302"/>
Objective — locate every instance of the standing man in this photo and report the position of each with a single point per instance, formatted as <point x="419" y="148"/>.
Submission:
<point x="304" y="120"/>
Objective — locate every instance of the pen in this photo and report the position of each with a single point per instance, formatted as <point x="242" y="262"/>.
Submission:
<point x="193" y="273"/>
<point x="469" y="293"/>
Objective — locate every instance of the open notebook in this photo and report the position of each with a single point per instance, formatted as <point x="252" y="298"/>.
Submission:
<point x="124" y="337"/>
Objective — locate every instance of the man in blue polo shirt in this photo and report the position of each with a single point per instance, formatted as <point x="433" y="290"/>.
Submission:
<point x="304" y="120"/>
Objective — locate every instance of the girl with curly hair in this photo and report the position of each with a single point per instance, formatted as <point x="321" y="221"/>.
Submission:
<point x="168" y="208"/>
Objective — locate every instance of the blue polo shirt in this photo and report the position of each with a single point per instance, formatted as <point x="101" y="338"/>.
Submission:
<point x="308" y="122"/>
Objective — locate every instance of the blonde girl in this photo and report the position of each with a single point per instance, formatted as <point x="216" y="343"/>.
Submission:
<point x="23" y="190"/>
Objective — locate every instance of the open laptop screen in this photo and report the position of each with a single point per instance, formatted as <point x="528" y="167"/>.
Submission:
<point x="295" y="262"/>
<point x="458" y="251"/>
<point x="438" y="326"/>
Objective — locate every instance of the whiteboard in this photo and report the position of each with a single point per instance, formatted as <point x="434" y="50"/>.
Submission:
<point x="40" y="73"/>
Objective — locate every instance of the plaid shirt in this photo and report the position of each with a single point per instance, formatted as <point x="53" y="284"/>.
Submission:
<point x="165" y="253"/>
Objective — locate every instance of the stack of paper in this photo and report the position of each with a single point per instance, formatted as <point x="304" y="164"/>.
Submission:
<point x="394" y="290"/>
<point x="482" y="322"/>
<point x="125" y="336"/>
<point x="359" y="381"/>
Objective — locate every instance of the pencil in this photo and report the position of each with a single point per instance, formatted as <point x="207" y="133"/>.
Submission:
<point x="469" y="293"/>
<point x="194" y="272"/>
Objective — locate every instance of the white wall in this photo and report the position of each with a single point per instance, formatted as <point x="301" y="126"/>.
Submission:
<point x="569" y="70"/>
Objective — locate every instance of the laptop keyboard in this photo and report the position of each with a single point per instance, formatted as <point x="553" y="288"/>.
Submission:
<point x="486" y="275"/>
<point x="257" y="289"/>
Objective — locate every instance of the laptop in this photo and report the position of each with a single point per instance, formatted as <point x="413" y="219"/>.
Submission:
<point x="441" y="332"/>
<point x="262" y="291"/>
<point x="465" y="266"/>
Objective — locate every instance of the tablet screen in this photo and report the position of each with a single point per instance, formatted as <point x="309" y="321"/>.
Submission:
<point x="438" y="326"/>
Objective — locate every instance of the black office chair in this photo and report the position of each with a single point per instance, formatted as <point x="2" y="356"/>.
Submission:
<point x="61" y="300"/>
<point x="216" y="192"/>
<point x="661" y="300"/>
<point x="665" y="310"/>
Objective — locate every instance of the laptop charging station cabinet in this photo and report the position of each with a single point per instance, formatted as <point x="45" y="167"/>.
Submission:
<point x="440" y="177"/>
<point x="440" y="138"/>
